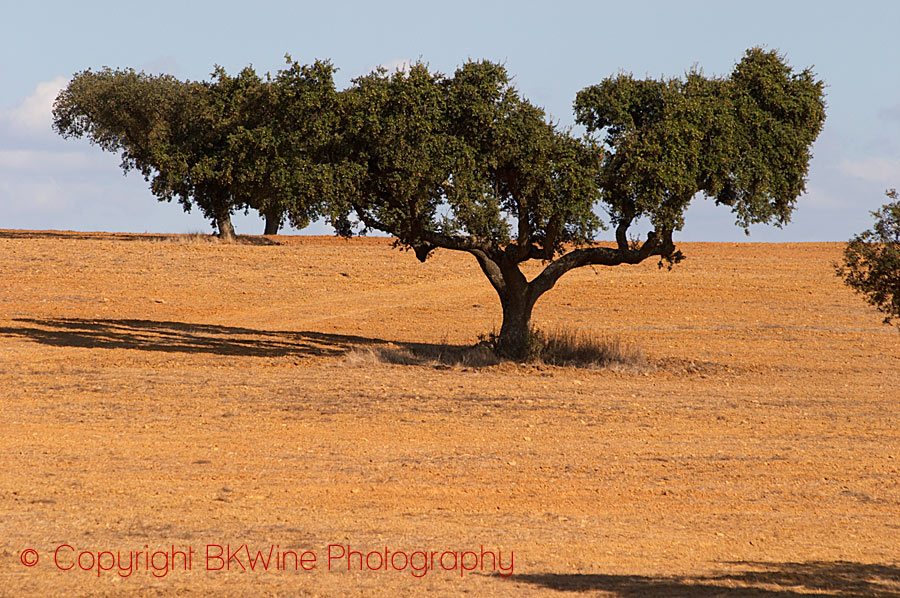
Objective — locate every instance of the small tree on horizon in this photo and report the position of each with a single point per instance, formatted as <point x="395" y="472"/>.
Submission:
<point x="279" y="131"/>
<point x="871" y="264"/>
<point x="232" y="143"/>
<point x="465" y="163"/>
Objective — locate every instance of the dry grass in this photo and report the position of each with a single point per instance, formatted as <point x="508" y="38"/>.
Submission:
<point x="199" y="238"/>
<point x="191" y="238"/>
<point x="757" y="455"/>
<point x="429" y="355"/>
<point x="581" y="348"/>
<point x="559" y="347"/>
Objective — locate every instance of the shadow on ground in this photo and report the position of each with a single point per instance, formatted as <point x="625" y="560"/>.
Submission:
<point x="189" y="238"/>
<point x="181" y="337"/>
<point x="763" y="580"/>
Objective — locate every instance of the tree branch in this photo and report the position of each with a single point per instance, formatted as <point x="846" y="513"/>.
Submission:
<point x="622" y="229"/>
<point x="461" y="243"/>
<point x="621" y="235"/>
<point x="553" y="227"/>
<point x="601" y="256"/>
<point x="370" y="221"/>
<point x="491" y="270"/>
<point x="486" y="254"/>
<point x="524" y="229"/>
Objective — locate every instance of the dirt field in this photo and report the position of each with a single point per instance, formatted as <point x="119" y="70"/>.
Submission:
<point x="170" y="396"/>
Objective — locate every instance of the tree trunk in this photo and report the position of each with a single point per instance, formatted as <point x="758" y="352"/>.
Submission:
<point x="515" y="340"/>
<point x="273" y="221"/>
<point x="226" y="230"/>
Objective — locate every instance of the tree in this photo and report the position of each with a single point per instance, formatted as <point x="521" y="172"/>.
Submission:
<point x="465" y="163"/>
<point x="871" y="263"/>
<point x="275" y="139"/>
<point x="157" y="123"/>
<point x="235" y="142"/>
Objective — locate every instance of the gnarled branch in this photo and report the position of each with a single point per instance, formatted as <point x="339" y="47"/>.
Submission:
<point x="601" y="256"/>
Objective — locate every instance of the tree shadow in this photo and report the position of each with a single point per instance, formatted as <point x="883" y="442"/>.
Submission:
<point x="190" y="238"/>
<point x="180" y="337"/>
<point x="183" y="337"/>
<point x="824" y="579"/>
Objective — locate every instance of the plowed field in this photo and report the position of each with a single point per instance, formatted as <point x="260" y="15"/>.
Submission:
<point x="165" y="400"/>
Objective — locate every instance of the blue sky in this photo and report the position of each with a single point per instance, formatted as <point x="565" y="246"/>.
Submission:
<point x="554" y="49"/>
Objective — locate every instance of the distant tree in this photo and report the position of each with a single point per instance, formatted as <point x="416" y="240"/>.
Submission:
<point x="465" y="163"/>
<point x="232" y="143"/>
<point x="147" y="119"/>
<point x="276" y="137"/>
<point x="871" y="263"/>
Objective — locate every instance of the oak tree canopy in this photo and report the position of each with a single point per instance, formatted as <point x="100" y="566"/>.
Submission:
<point x="465" y="163"/>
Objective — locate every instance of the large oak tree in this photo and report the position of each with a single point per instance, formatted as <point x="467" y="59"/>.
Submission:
<point x="465" y="163"/>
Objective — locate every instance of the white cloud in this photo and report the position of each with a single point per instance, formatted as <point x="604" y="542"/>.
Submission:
<point x="822" y="197"/>
<point x="33" y="115"/>
<point x="49" y="195"/>
<point x="876" y="170"/>
<point x="34" y="197"/>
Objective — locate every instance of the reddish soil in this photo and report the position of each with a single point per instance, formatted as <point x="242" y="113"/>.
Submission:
<point x="170" y="392"/>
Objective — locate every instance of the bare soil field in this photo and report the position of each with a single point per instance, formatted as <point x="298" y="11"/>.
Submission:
<point x="161" y="397"/>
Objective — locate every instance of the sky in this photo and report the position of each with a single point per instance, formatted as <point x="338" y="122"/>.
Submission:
<point x="553" y="50"/>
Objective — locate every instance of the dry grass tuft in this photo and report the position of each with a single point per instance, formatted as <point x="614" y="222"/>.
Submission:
<point x="191" y="238"/>
<point x="198" y="238"/>
<point x="479" y="356"/>
<point x="429" y="355"/>
<point x="581" y="348"/>
<point x="560" y="347"/>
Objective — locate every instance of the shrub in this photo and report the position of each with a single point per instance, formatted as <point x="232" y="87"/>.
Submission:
<point x="872" y="260"/>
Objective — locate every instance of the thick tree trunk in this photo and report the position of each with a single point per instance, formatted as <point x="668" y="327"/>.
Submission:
<point x="273" y="221"/>
<point x="226" y="229"/>
<point x="515" y="340"/>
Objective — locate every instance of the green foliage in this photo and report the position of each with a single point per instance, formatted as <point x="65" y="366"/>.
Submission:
<point x="465" y="157"/>
<point x="744" y="140"/>
<point x="393" y="133"/>
<point x="871" y="263"/>
<point x="124" y="111"/>
<point x="235" y="142"/>
<point x="277" y="133"/>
